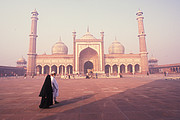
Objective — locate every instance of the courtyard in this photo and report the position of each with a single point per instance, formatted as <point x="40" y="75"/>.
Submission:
<point x="129" y="98"/>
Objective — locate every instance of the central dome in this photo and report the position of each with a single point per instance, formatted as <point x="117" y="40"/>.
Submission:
<point x="116" y="48"/>
<point x="88" y="36"/>
<point x="59" y="48"/>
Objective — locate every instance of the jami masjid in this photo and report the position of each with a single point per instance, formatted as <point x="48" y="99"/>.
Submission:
<point x="88" y="54"/>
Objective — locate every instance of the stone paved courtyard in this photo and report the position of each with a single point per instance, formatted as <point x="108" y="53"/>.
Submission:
<point x="128" y="98"/>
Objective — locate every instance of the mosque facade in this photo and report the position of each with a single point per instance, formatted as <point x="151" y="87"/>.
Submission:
<point x="88" y="53"/>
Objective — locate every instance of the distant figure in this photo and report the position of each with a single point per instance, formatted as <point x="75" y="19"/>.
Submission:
<point x="164" y="73"/>
<point x="107" y="74"/>
<point x="25" y="76"/>
<point x="120" y="75"/>
<point x="65" y="76"/>
<point x="69" y="76"/>
<point x="16" y="75"/>
<point x="87" y="76"/>
<point x="55" y="87"/>
<point x="46" y="93"/>
<point x="147" y="73"/>
<point x="32" y="76"/>
<point x="96" y="75"/>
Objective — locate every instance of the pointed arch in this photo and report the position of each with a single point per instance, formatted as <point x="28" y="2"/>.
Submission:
<point x="38" y="69"/>
<point x="115" y="69"/>
<point x="107" y="69"/>
<point x="130" y="68"/>
<point x="122" y="68"/>
<point x="91" y="55"/>
<point x="54" y="68"/>
<point x="46" y="69"/>
<point x="136" y="68"/>
<point x="69" y="69"/>
<point x="62" y="70"/>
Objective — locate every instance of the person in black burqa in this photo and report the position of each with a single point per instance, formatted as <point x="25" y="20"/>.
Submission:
<point x="46" y="93"/>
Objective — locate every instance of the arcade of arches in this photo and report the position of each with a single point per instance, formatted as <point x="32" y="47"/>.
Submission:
<point x="62" y="70"/>
<point x="115" y="69"/>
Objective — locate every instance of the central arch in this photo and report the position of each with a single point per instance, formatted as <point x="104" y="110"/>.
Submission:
<point x="88" y="57"/>
<point x="87" y="65"/>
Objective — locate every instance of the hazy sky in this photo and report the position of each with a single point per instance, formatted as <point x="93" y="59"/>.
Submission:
<point x="117" y="18"/>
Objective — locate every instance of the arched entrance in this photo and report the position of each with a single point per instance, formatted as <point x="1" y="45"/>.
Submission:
<point x="39" y="69"/>
<point x="86" y="57"/>
<point x="136" y="68"/>
<point x="87" y="65"/>
<point x="69" y="69"/>
<point x="122" y="68"/>
<point x="130" y="68"/>
<point x="61" y="70"/>
<point x="115" y="69"/>
<point x="46" y="69"/>
<point x="54" y="68"/>
<point x="107" y="69"/>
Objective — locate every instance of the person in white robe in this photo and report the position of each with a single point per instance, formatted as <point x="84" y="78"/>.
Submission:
<point x="55" y="87"/>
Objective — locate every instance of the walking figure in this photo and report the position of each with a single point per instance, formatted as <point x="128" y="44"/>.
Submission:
<point x="55" y="87"/>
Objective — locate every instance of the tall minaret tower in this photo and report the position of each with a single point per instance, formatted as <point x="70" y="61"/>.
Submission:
<point x="142" y="43"/>
<point x="74" y="52"/>
<point x="32" y="45"/>
<point x="102" y="47"/>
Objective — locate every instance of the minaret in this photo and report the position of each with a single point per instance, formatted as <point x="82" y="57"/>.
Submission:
<point x="142" y="43"/>
<point x="74" y="52"/>
<point x="32" y="45"/>
<point x="102" y="47"/>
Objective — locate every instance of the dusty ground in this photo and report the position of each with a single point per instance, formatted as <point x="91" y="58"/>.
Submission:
<point x="128" y="98"/>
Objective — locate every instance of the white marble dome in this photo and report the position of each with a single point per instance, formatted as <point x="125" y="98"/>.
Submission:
<point x="59" y="48"/>
<point x="116" y="48"/>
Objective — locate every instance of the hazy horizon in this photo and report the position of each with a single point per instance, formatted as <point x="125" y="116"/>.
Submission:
<point x="117" y="18"/>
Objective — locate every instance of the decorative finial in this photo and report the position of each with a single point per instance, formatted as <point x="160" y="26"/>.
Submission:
<point x="115" y="38"/>
<point x="60" y="38"/>
<point x="88" y="29"/>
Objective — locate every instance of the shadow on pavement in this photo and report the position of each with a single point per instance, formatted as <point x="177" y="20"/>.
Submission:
<point x="70" y="101"/>
<point x="158" y="100"/>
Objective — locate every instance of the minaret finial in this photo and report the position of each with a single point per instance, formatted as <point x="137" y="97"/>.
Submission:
<point x="139" y="13"/>
<point x="88" y="29"/>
